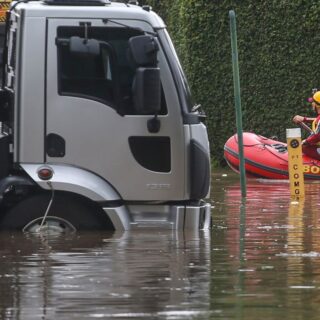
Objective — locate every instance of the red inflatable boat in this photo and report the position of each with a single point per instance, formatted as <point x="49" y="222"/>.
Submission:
<point x="266" y="158"/>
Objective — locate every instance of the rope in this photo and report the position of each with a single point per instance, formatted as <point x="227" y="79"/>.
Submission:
<point x="48" y="208"/>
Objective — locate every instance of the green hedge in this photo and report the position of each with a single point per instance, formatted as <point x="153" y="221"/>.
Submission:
<point x="279" y="50"/>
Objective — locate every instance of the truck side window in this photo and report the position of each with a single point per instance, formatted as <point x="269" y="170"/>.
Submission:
<point x="107" y="77"/>
<point x="87" y="75"/>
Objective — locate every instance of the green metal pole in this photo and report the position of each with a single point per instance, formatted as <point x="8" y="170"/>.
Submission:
<point x="237" y="99"/>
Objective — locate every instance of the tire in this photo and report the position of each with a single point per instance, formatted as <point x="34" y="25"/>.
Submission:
<point x="68" y="212"/>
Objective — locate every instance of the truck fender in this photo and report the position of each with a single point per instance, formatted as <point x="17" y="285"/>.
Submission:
<point x="73" y="179"/>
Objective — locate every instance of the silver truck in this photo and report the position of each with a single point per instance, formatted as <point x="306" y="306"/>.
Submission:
<point x="98" y="127"/>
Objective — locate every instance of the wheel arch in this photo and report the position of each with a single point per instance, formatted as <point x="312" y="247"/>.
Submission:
<point x="75" y="180"/>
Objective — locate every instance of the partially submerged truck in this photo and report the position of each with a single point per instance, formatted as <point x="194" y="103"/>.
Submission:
<point x="98" y="126"/>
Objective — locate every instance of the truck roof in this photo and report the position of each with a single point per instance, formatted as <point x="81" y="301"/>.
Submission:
<point x="111" y="10"/>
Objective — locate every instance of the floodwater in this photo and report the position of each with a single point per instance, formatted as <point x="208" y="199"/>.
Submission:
<point x="265" y="254"/>
<point x="261" y="260"/>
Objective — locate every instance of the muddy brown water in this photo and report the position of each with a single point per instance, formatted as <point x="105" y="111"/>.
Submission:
<point x="261" y="260"/>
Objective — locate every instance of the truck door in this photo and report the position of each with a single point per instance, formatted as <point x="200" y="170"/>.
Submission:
<point x="90" y="119"/>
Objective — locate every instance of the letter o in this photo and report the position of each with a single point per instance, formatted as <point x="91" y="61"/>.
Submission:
<point x="315" y="169"/>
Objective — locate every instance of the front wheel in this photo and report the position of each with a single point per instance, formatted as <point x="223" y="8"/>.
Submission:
<point x="67" y="213"/>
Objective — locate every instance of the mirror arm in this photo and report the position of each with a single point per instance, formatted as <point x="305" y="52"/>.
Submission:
<point x="154" y="124"/>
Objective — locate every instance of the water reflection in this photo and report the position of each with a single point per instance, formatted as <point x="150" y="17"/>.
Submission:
<point x="267" y="267"/>
<point x="152" y="275"/>
<point x="260" y="261"/>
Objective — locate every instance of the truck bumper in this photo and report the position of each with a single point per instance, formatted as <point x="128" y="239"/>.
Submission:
<point x="171" y="217"/>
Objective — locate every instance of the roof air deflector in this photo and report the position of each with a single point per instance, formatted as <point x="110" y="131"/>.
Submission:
<point x="77" y="2"/>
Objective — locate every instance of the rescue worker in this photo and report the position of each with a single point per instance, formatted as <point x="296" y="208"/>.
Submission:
<point x="311" y="145"/>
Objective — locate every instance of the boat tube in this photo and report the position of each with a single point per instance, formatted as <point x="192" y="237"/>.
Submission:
<point x="266" y="158"/>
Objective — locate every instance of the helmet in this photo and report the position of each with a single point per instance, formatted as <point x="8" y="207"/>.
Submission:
<point x="316" y="98"/>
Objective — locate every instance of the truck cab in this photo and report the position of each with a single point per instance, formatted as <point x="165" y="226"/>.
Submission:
<point x="98" y="126"/>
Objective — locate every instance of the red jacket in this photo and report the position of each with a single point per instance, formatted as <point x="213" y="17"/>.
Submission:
<point x="314" y="138"/>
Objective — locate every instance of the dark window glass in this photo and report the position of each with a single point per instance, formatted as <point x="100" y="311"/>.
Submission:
<point x="106" y="77"/>
<point x="11" y="64"/>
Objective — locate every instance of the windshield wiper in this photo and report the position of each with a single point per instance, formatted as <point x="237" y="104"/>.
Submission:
<point x="196" y="107"/>
<point x="201" y="114"/>
<point x="129" y="27"/>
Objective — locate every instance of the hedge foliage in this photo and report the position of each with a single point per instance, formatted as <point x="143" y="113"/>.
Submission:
<point x="279" y="52"/>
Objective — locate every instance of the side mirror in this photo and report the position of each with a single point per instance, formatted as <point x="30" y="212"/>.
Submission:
<point x="84" y="46"/>
<point x="144" y="50"/>
<point x="147" y="91"/>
